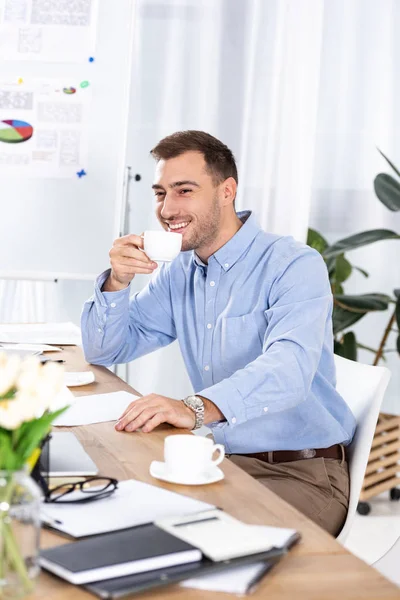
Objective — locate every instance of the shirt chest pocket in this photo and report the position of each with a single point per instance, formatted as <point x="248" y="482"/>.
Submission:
<point x="241" y="341"/>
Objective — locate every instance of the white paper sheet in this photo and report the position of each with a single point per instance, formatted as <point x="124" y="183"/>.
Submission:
<point x="44" y="127"/>
<point x="133" y="503"/>
<point x="41" y="333"/>
<point x="39" y="348"/>
<point x="95" y="408"/>
<point x="47" y="30"/>
<point x="233" y="581"/>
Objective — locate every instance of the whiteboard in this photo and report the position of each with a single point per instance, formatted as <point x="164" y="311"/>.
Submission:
<point x="53" y="227"/>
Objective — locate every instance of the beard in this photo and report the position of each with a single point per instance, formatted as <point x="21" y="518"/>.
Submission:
<point x="204" y="230"/>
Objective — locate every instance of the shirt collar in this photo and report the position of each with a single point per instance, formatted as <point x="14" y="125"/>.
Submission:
<point x="230" y="253"/>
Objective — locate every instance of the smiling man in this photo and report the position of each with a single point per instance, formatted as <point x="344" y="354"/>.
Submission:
<point x="252" y="313"/>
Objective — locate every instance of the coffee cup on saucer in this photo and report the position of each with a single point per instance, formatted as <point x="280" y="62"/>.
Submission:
<point x="188" y="459"/>
<point x="162" y="246"/>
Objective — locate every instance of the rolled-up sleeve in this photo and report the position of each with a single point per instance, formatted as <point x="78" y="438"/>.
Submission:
<point x="117" y="328"/>
<point x="298" y="315"/>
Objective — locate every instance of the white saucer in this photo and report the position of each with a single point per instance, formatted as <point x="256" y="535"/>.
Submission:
<point x="159" y="471"/>
<point x="80" y="378"/>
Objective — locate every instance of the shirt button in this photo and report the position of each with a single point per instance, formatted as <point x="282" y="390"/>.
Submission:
<point x="206" y="368"/>
<point x="265" y="409"/>
<point x="234" y="420"/>
<point x="226" y="265"/>
<point x="212" y="283"/>
<point x="113" y="305"/>
<point x="209" y="325"/>
<point x="100" y="330"/>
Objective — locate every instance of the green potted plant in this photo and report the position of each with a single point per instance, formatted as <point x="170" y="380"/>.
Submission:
<point x="349" y="309"/>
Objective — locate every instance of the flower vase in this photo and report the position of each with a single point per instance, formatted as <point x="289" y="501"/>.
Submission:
<point x="20" y="500"/>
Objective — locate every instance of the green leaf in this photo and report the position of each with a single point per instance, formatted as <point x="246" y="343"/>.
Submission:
<point x="32" y="432"/>
<point x="362" y="271"/>
<point x="358" y="240"/>
<point x="350" y="346"/>
<point x="363" y="302"/>
<point x="347" y="346"/>
<point x="389" y="162"/>
<point x="331" y="266"/>
<point x="344" y="318"/>
<point x="17" y="446"/>
<point x="388" y="191"/>
<point x="316" y="241"/>
<point x="337" y="288"/>
<point x="343" y="269"/>
<point x="338" y="348"/>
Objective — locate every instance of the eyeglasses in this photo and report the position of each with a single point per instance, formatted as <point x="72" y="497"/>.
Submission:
<point x="93" y="488"/>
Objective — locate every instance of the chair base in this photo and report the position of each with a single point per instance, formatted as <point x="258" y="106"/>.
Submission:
<point x="363" y="508"/>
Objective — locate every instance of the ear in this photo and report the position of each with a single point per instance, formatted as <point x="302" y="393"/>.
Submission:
<point x="228" y="190"/>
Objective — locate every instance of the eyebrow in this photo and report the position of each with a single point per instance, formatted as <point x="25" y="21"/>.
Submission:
<point x="176" y="184"/>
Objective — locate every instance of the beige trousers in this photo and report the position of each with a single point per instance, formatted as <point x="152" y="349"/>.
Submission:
<point x="317" y="487"/>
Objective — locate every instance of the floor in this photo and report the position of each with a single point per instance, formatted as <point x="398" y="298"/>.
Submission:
<point x="376" y="534"/>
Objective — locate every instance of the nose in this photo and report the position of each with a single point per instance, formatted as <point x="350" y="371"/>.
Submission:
<point x="168" y="209"/>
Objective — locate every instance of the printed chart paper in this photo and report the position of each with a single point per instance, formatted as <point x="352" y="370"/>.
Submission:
<point x="43" y="127"/>
<point x="47" y="30"/>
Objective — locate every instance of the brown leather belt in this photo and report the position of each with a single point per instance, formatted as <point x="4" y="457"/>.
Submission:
<point x="278" y="456"/>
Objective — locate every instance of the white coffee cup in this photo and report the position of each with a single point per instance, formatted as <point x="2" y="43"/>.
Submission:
<point x="162" y="246"/>
<point x="189" y="456"/>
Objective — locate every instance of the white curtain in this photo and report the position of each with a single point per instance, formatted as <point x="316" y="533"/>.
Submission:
<point x="246" y="71"/>
<point x="358" y="110"/>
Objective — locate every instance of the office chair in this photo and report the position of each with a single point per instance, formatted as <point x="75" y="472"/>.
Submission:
<point x="362" y="387"/>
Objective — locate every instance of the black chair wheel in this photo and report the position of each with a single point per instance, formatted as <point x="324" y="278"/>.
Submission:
<point x="363" y="508"/>
<point x="395" y="494"/>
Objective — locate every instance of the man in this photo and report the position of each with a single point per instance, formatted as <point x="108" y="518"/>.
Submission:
<point x="252" y="313"/>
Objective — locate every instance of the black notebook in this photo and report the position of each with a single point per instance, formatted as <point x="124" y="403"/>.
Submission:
<point x="117" y="554"/>
<point x="112" y="589"/>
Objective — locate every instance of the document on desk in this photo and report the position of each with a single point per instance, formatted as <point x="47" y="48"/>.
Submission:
<point x="133" y="503"/>
<point x="240" y="580"/>
<point x="96" y="408"/>
<point x="41" y="333"/>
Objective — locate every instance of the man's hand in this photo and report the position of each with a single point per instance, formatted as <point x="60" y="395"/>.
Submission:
<point x="127" y="260"/>
<point x="150" y="411"/>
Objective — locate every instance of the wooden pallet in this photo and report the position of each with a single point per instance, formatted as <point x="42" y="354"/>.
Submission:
<point x="383" y="468"/>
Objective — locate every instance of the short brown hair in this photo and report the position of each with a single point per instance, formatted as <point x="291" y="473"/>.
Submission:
<point x="218" y="158"/>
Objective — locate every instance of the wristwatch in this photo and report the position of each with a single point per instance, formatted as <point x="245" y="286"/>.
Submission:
<point x="196" y="404"/>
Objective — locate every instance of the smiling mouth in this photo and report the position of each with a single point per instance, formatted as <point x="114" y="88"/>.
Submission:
<point x="178" y="227"/>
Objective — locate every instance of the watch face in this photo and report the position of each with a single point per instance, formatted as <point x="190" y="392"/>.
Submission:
<point x="196" y="402"/>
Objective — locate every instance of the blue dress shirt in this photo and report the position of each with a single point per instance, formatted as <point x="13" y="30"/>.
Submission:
<point x="255" y="331"/>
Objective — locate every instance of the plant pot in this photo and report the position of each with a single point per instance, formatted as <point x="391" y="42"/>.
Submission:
<point x="19" y="533"/>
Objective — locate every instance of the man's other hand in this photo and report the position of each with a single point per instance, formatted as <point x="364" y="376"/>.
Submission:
<point x="150" y="411"/>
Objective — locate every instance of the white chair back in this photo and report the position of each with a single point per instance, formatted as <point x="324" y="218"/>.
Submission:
<point x="362" y="387"/>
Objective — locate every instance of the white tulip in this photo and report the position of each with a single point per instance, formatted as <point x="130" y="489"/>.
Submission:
<point x="38" y="390"/>
<point x="9" y="367"/>
<point x="12" y="413"/>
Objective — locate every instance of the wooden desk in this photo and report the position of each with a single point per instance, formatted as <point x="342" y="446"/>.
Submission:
<point x="317" y="568"/>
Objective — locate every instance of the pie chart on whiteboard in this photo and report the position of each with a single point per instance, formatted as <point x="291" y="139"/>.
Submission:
<point x="13" y="131"/>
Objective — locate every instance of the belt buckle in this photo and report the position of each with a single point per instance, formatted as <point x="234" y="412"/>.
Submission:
<point x="310" y="453"/>
<point x="271" y="457"/>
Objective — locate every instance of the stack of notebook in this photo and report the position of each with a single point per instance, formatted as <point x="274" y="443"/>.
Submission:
<point x="115" y="564"/>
